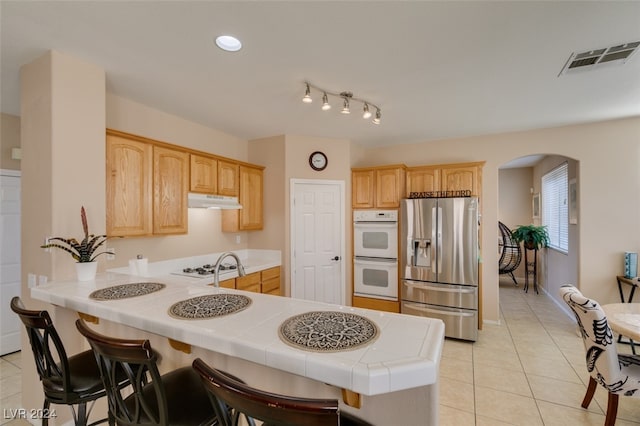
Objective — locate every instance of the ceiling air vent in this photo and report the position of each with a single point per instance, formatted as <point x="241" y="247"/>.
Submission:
<point x="592" y="59"/>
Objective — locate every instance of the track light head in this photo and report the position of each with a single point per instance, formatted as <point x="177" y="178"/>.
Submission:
<point x="325" y="102"/>
<point x="307" y="95"/>
<point x="378" y="116"/>
<point x="366" y="114"/>
<point x="345" y="107"/>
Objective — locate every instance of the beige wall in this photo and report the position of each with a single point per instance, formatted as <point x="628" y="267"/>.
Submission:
<point x="9" y="138"/>
<point x="608" y="153"/>
<point x="514" y="202"/>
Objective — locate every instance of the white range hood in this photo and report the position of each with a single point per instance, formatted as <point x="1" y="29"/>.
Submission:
<point x="206" y="201"/>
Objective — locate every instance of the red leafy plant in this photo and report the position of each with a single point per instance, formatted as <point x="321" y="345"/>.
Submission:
<point x="83" y="251"/>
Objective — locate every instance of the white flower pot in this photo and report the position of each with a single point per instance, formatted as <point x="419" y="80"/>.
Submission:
<point x="86" y="271"/>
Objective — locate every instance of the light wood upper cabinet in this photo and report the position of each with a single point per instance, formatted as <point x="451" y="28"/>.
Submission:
<point x="362" y="189"/>
<point x="380" y="187"/>
<point x="204" y="174"/>
<point x="249" y="217"/>
<point x="170" y="188"/>
<point x="445" y="177"/>
<point x="129" y="198"/>
<point x="423" y="179"/>
<point x="462" y="177"/>
<point x="228" y="178"/>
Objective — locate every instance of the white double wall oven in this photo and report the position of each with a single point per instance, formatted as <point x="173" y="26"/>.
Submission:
<point x="375" y="241"/>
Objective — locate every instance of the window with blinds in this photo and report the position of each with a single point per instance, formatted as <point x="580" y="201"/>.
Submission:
<point x="555" y="207"/>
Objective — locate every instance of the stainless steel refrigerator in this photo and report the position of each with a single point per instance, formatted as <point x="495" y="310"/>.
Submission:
<point x="439" y="262"/>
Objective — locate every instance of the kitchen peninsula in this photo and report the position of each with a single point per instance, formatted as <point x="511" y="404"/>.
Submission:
<point x="387" y="377"/>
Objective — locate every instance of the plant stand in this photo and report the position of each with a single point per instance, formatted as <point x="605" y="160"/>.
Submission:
<point x="531" y="269"/>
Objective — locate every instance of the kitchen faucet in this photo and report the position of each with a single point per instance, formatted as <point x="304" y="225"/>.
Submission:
<point x="216" y="267"/>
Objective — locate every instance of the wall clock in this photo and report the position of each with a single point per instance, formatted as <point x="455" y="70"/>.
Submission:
<point x="318" y="161"/>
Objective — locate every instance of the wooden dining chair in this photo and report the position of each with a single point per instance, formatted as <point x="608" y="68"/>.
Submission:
<point x="618" y="373"/>
<point x="231" y="397"/>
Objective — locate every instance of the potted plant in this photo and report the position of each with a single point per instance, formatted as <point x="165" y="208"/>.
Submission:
<point x="533" y="237"/>
<point x="84" y="252"/>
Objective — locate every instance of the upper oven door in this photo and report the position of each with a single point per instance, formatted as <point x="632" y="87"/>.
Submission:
<point x="376" y="239"/>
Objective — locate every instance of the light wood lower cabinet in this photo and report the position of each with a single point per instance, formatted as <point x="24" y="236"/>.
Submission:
<point x="266" y="281"/>
<point x="377" y="304"/>
<point x="271" y="281"/>
<point x="250" y="282"/>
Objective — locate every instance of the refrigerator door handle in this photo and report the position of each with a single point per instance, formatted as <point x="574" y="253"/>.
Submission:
<point x="434" y="237"/>
<point x="439" y="240"/>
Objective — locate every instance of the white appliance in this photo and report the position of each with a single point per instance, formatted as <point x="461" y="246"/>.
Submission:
<point x="375" y="233"/>
<point x="208" y="201"/>
<point x="440" y="262"/>
<point x="375" y="254"/>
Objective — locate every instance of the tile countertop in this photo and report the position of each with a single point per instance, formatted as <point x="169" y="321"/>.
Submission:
<point x="405" y="355"/>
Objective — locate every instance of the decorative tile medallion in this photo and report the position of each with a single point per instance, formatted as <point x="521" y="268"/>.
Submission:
<point x="209" y="306"/>
<point x="126" y="291"/>
<point x="330" y="331"/>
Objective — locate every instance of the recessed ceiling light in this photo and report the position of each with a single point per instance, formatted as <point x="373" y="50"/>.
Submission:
<point x="228" y="43"/>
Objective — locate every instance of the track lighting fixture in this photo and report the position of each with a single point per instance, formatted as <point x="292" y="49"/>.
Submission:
<point x="347" y="101"/>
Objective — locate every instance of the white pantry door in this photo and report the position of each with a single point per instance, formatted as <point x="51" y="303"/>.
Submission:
<point x="317" y="240"/>
<point x="9" y="259"/>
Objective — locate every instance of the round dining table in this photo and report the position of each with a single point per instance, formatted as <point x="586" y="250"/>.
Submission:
<point x="624" y="319"/>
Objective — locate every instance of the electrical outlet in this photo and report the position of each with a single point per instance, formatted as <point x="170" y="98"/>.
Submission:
<point x="42" y="279"/>
<point x="31" y="280"/>
<point x="111" y="253"/>
<point x="46" y="241"/>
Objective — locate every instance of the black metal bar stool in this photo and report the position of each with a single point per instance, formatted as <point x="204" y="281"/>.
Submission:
<point x="177" y="398"/>
<point x="73" y="380"/>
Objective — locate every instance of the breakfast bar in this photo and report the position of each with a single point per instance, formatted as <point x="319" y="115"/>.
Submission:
<point x="382" y="366"/>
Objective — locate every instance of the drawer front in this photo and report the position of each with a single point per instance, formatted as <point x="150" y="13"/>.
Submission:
<point x="231" y="283"/>
<point x="275" y="292"/>
<point x="271" y="273"/>
<point x="271" y="285"/>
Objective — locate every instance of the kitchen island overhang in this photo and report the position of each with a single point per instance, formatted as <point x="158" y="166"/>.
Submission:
<point x="399" y="366"/>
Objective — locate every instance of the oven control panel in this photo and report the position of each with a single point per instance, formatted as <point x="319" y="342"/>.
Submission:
<point x="375" y="215"/>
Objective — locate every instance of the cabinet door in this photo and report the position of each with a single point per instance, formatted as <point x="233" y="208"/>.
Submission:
<point x="204" y="174"/>
<point x="362" y="193"/>
<point x="170" y="187"/>
<point x="461" y="179"/>
<point x="129" y="203"/>
<point x="423" y="179"/>
<point x="249" y="282"/>
<point x="389" y="187"/>
<point x="227" y="178"/>
<point x="250" y="198"/>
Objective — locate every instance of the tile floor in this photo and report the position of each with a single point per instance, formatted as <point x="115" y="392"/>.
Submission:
<point x="527" y="371"/>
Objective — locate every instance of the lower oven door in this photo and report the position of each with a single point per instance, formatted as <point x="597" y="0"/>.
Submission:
<point x="458" y="323"/>
<point x="377" y="278"/>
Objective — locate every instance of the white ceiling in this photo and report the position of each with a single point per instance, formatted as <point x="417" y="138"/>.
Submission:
<point x="437" y="69"/>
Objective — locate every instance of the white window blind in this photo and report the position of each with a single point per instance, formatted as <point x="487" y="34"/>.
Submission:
<point x="555" y="207"/>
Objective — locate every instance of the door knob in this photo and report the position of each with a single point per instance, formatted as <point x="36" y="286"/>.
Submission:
<point x="336" y="258"/>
